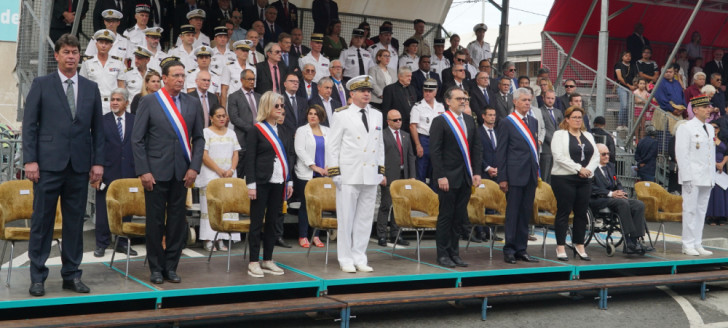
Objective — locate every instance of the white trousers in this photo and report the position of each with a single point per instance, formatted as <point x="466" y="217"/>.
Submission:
<point x="354" y="215"/>
<point x="695" y="204"/>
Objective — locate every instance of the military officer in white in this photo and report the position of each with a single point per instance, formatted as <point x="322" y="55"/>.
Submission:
<point x="355" y="59"/>
<point x="421" y="116"/>
<point x="230" y="81"/>
<point x="107" y="72"/>
<point x="121" y="48"/>
<point x="185" y="51"/>
<point x="438" y="61"/>
<point x="478" y="48"/>
<point x="196" y="18"/>
<point x="152" y="35"/>
<point x="385" y="39"/>
<point x="316" y="58"/>
<point x="204" y="55"/>
<point x="134" y="76"/>
<point x="221" y="53"/>
<point x="695" y="152"/>
<point x="409" y="56"/>
<point x="135" y="34"/>
<point x="355" y="156"/>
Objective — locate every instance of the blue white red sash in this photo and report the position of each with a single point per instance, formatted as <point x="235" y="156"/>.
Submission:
<point x="460" y="137"/>
<point x="277" y="145"/>
<point x="526" y="133"/>
<point x="175" y="118"/>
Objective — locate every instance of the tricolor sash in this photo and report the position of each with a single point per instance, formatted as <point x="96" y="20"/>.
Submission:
<point x="277" y="145"/>
<point x="175" y="118"/>
<point x="460" y="137"/>
<point x="523" y="129"/>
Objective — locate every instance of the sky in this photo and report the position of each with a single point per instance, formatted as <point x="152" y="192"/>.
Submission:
<point x="464" y="14"/>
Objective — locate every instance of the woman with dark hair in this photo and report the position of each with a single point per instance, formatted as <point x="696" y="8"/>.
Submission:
<point x="575" y="159"/>
<point x="624" y="73"/>
<point x="152" y="83"/>
<point x="367" y="34"/>
<point x="333" y="41"/>
<point x="454" y="47"/>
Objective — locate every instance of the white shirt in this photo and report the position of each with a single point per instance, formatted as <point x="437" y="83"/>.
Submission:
<point x="220" y="59"/>
<point x="136" y="36"/>
<point x="479" y="52"/>
<point x="105" y="75"/>
<point x="437" y="65"/>
<point x="190" y="82"/>
<point x="156" y="60"/>
<point x="231" y="76"/>
<point x="74" y="78"/>
<point x="133" y="79"/>
<point x="121" y="48"/>
<point x="321" y="65"/>
<point x="200" y="40"/>
<point x="187" y="58"/>
<point x="411" y="62"/>
<point x="394" y="57"/>
<point x="350" y="61"/>
<point x="327" y="107"/>
<point x="422" y="114"/>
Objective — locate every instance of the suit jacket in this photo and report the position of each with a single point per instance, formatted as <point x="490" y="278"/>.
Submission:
<point x="712" y="67"/>
<point x="608" y="141"/>
<point x="250" y="15"/>
<point x="447" y="75"/>
<point x="345" y="144"/>
<point x="515" y="160"/>
<point x="321" y="17"/>
<point x="118" y="159"/>
<point x="52" y="137"/>
<point x="379" y="82"/>
<point x="264" y="79"/>
<point x="292" y="65"/>
<point x="213" y="103"/>
<point x="304" y="51"/>
<point x="646" y="152"/>
<point x="271" y="36"/>
<point x="334" y="105"/>
<point x="550" y="127"/>
<point x="61" y="6"/>
<point x="155" y="145"/>
<point x="392" y="158"/>
<point x="635" y="46"/>
<point x="335" y="92"/>
<point x="446" y="157"/>
<point x="397" y="96"/>
<point x="241" y="115"/>
<point x="216" y="17"/>
<point x="502" y="107"/>
<point x="302" y="89"/>
<point x="418" y="81"/>
<point x="295" y="117"/>
<point x="286" y="22"/>
<point x="478" y="103"/>
<point x="260" y="155"/>
<point x="127" y="11"/>
<point x="488" y="151"/>
<point x="602" y="185"/>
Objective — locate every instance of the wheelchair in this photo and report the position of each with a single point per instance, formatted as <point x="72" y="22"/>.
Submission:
<point x="606" y="229"/>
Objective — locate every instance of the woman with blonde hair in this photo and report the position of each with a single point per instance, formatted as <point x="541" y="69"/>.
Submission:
<point x="152" y="83"/>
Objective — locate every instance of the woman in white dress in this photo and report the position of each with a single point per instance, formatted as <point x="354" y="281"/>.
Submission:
<point x="220" y="160"/>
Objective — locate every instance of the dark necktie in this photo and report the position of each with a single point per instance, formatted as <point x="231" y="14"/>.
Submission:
<point x="361" y="62"/>
<point x="553" y="119"/>
<point x="119" y="5"/>
<point x="251" y="102"/>
<point x="294" y="105"/>
<point x="285" y="58"/>
<point x="720" y="65"/>
<point x="275" y="78"/>
<point x="262" y="13"/>
<point x="485" y="94"/>
<point x="155" y="14"/>
<point x="706" y="129"/>
<point x="364" y="118"/>
<point x="492" y="138"/>
<point x="409" y="97"/>
<point x="120" y="128"/>
<point x="399" y="146"/>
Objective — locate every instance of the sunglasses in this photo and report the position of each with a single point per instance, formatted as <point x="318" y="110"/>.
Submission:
<point x="462" y="98"/>
<point x="459" y="59"/>
<point x="569" y="86"/>
<point x="396" y="120"/>
<point x="278" y="106"/>
<point x="512" y="70"/>
<point x="604" y="154"/>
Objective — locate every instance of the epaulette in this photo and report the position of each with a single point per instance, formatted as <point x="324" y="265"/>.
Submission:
<point x="151" y="69"/>
<point x="129" y="69"/>
<point x="192" y="70"/>
<point x="85" y="58"/>
<point x="131" y="29"/>
<point x="417" y="103"/>
<point x="117" y="58"/>
<point x="340" y="109"/>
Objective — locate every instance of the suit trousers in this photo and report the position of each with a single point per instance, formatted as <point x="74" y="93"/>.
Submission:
<point x="240" y="170"/>
<point x="385" y="217"/>
<point x="519" y="210"/>
<point x="546" y="162"/>
<point x="354" y="213"/>
<point x="572" y="193"/>
<point x="631" y="215"/>
<point x="424" y="166"/>
<point x="166" y="197"/>
<point x="74" y="188"/>
<point x="103" y="234"/>
<point x="268" y="202"/>
<point x="453" y="208"/>
<point x="299" y="186"/>
<point x="695" y="205"/>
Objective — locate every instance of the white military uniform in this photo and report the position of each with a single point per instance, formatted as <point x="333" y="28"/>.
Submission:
<point x="359" y="157"/>
<point x="393" y="56"/>
<point x="214" y="80"/>
<point x="105" y="76"/>
<point x="231" y="76"/>
<point x="222" y="58"/>
<point x="422" y="114"/>
<point x="437" y="65"/>
<point x="187" y="59"/>
<point x="350" y="60"/>
<point x="412" y="62"/>
<point x="695" y="152"/>
<point x="200" y="40"/>
<point x="156" y="61"/>
<point x="120" y="49"/>
<point x="134" y="79"/>
<point x="321" y="65"/>
<point x="136" y="36"/>
<point x="479" y="52"/>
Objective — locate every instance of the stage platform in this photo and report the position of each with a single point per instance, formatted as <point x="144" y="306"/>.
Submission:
<point x="204" y="284"/>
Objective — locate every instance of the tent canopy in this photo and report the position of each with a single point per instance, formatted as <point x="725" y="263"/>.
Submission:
<point x="431" y="11"/>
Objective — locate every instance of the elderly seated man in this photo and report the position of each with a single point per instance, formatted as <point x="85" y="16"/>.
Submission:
<point x="607" y="192"/>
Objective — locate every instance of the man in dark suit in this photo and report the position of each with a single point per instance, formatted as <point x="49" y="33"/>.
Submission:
<point x="181" y="11"/>
<point x="295" y="105"/>
<point x="167" y="161"/>
<point x="420" y="76"/>
<point x="272" y="30"/>
<point x="118" y="164"/>
<point x="459" y="59"/>
<point x="325" y="100"/>
<point x="646" y="155"/>
<point x="399" y="163"/>
<point x="716" y="66"/>
<point x="271" y="73"/>
<point x="63" y="148"/>
<point x="719" y="98"/>
<point x="242" y="106"/>
<point x="208" y="100"/>
<point x="287" y="57"/>
<point x="636" y="42"/>
<point x="254" y="13"/>
<point x="502" y="101"/>
<point x="400" y="95"/>
<point x="126" y="7"/>
<point x="480" y="94"/>
<point x="457" y="79"/>
<point x="221" y="11"/>
<point x="307" y="88"/>
<point x="296" y="47"/>
<point x="552" y="117"/>
<point x="607" y="192"/>
<point x="517" y="162"/>
<point x="324" y="12"/>
<point x="453" y="174"/>
<point x="64" y="14"/>
<point x="287" y="15"/>
<point x="159" y="16"/>
<point x="339" y="91"/>
<point x="486" y="132"/>
<point x="602" y="136"/>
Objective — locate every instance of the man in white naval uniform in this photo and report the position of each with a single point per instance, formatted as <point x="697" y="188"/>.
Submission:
<point x="221" y="53"/>
<point x="185" y="51"/>
<point x="107" y="72"/>
<point x="355" y="155"/>
<point x="695" y="152"/>
<point x="152" y="35"/>
<point x="196" y="18"/>
<point x="385" y="39"/>
<point x="121" y="49"/>
<point x="230" y="81"/>
<point x="135" y="34"/>
<point x="438" y="61"/>
<point x="204" y="57"/>
<point x="478" y="48"/>
<point x="316" y="58"/>
<point x="355" y="59"/>
<point x="134" y="76"/>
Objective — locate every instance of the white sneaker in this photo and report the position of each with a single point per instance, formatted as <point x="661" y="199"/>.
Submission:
<point x="348" y="268"/>
<point x="272" y="268"/>
<point x="690" y="251"/>
<point x="703" y="251"/>
<point x="254" y="270"/>
<point x="364" y="268"/>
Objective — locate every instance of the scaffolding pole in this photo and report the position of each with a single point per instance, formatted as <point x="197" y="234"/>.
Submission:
<point x="602" y="60"/>
<point x="562" y="68"/>
<point x="43" y="27"/>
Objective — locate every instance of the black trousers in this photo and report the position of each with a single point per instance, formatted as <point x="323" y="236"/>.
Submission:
<point x="519" y="210"/>
<point x="167" y="197"/>
<point x="572" y="194"/>
<point x="453" y="207"/>
<point x="384" y="216"/>
<point x="268" y="203"/>
<point x="103" y="234"/>
<point x="51" y="185"/>
<point x="240" y="170"/>
<point x="631" y="214"/>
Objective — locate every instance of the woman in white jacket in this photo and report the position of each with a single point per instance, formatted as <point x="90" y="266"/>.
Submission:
<point x="310" y="144"/>
<point x="575" y="159"/>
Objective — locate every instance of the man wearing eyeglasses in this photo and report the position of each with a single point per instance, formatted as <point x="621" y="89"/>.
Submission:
<point x="502" y="100"/>
<point x="308" y="88"/>
<point x="562" y="102"/>
<point x="459" y="59"/>
<point x="271" y="72"/>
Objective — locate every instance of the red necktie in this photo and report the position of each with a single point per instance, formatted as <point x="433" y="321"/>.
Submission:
<point x="399" y="146"/>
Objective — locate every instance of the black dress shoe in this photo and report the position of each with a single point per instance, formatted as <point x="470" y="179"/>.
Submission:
<point x="401" y="242"/>
<point x="526" y="258"/>
<point x="36" y="289"/>
<point x="382" y="242"/>
<point x="157" y="278"/>
<point x="458" y="261"/>
<point x="496" y="238"/>
<point x="99" y="251"/>
<point x="475" y="239"/>
<point x="630" y="246"/>
<point x="509" y="258"/>
<point x="172" y="276"/>
<point x="445" y="261"/>
<point x="76" y="285"/>
<point x="122" y="249"/>
<point x="282" y="243"/>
